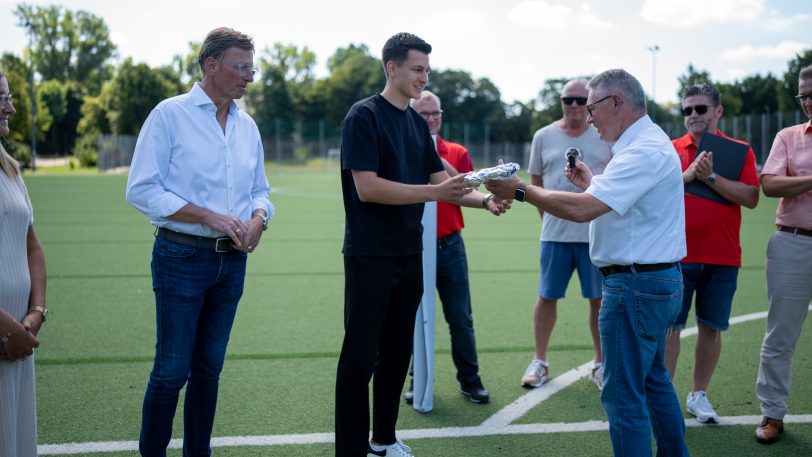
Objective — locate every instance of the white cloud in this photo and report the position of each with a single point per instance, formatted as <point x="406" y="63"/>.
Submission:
<point x="464" y="21"/>
<point x="546" y="15"/>
<point x="690" y="13"/>
<point x="777" y="23"/>
<point x="784" y="50"/>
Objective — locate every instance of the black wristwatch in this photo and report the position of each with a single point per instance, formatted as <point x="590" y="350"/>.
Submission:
<point x="520" y="192"/>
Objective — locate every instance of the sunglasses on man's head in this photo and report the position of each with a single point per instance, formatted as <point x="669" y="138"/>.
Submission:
<point x="700" y="109"/>
<point x="581" y="101"/>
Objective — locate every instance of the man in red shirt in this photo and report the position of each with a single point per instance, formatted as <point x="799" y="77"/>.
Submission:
<point x="452" y="265"/>
<point x="712" y="265"/>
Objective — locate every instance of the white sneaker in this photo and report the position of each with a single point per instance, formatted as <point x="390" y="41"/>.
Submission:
<point x="536" y="374"/>
<point x="596" y="375"/>
<point x="393" y="450"/>
<point x="698" y="405"/>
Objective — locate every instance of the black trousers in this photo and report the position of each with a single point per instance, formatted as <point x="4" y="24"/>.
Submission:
<point x="381" y="297"/>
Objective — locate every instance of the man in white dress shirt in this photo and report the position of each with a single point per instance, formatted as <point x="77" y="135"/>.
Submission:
<point x="199" y="174"/>
<point x="636" y="239"/>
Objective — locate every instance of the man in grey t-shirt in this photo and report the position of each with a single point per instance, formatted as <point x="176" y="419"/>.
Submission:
<point x="564" y="244"/>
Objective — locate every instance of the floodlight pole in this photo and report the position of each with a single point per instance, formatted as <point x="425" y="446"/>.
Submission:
<point x="32" y="93"/>
<point x="654" y="49"/>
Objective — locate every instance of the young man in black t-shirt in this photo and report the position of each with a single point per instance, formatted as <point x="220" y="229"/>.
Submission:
<point x="389" y="168"/>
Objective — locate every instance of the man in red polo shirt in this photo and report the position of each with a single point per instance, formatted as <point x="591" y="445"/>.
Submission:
<point x="712" y="265"/>
<point x="452" y="265"/>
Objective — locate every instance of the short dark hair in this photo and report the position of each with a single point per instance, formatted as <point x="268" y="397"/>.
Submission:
<point x="219" y="40"/>
<point x="397" y="48"/>
<point x="806" y="73"/>
<point x="703" y="89"/>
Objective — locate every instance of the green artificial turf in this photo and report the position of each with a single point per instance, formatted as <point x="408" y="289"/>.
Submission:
<point x="96" y="349"/>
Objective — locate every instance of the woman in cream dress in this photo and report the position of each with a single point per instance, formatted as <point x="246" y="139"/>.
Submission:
<point x="22" y="302"/>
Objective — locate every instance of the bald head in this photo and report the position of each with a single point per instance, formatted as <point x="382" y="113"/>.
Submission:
<point x="573" y="104"/>
<point x="575" y="88"/>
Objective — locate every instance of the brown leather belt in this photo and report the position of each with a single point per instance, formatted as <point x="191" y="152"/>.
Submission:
<point x="796" y="230"/>
<point x="643" y="267"/>
<point x="215" y="244"/>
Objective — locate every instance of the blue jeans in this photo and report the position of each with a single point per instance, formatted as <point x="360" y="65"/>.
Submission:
<point x="638" y="396"/>
<point x="196" y="295"/>
<point x="452" y="285"/>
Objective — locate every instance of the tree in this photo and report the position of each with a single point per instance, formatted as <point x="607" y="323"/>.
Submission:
<point x="16" y="72"/>
<point x="354" y="74"/>
<point x="68" y="46"/>
<point x="466" y="100"/>
<point x="285" y="78"/>
<point x="134" y="92"/>
<point x="186" y="67"/>
<point x="789" y="83"/>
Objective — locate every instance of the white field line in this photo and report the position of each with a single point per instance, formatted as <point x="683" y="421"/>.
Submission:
<point x="498" y="424"/>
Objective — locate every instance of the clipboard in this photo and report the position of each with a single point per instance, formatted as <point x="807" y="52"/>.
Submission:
<point x="728" y="160"/>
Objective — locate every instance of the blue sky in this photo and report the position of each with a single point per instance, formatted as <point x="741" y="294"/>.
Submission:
<point x="517" y="44"/>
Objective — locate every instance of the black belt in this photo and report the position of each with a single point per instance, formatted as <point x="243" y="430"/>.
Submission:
<point x="796" y="230"/>
<point x="216" y="244"/>
<point x="615" y="269"/>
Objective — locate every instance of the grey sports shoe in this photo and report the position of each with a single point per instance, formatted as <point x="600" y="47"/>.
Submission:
<point x="536" y="374"/>
<point x="698" y="405"/>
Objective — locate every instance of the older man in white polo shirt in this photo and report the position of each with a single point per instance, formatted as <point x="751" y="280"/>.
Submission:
<point x="636" y="238"/>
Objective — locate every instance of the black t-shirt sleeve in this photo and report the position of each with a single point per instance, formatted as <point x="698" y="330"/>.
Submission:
<point x="359" y="142"/>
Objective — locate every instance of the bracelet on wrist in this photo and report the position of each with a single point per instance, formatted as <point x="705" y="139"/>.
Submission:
<point x="485" y="200"/>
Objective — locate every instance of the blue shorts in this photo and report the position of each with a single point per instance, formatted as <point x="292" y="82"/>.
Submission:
<point x="714" y="286"/>
<point x="557" y="261"/>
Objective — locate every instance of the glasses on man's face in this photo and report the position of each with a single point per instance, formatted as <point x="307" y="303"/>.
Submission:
<point x="5" y="100"/>
<point x="700" y="110"/>
<point x="803" y="98"/>
<point x="581" y="101"/>
<point x="591" y="107"/>
<point x="243" y="67"/>
<point x="435" y="114"/>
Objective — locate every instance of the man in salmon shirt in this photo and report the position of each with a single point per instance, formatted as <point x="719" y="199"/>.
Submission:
<point x="787" y="175"/>
<point x="711" y="268"/>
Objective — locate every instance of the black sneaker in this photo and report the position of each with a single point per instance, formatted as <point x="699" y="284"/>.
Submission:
<point x="408" y="396"/>
<point x="476" y="393"/>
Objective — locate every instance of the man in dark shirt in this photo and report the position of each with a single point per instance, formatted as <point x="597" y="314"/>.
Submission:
<point x="389" y="168"/>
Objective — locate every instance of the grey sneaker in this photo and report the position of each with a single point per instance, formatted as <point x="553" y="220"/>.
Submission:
<point x="698" y="405"/>
<point x="536" y="374"/>
<point x="393" y="450"/>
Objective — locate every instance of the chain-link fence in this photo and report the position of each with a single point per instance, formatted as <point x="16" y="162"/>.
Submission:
<point x="304" y="143"/>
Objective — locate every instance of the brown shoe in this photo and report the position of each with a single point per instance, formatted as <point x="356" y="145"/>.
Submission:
<point x="769" y="430"/>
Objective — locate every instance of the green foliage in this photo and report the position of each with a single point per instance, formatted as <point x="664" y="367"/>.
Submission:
<point x="789" y="83"/>
<point x="355" y="74"/>
<point x="68" y="46"/>
<point x="94" y="117"/>
<point x="16" y="72"/>
<point x="186" y="66"/>
<point x="134" y="92"/>
<point x="86" y="150"/>
<point x="280" y="97"/>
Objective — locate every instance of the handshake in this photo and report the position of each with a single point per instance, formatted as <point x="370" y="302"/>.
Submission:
<point x="501" y="171"/>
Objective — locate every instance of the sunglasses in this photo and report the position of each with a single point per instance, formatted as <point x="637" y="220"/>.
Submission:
<point x="700" y="109"/>
<point x="581" y="101"/>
